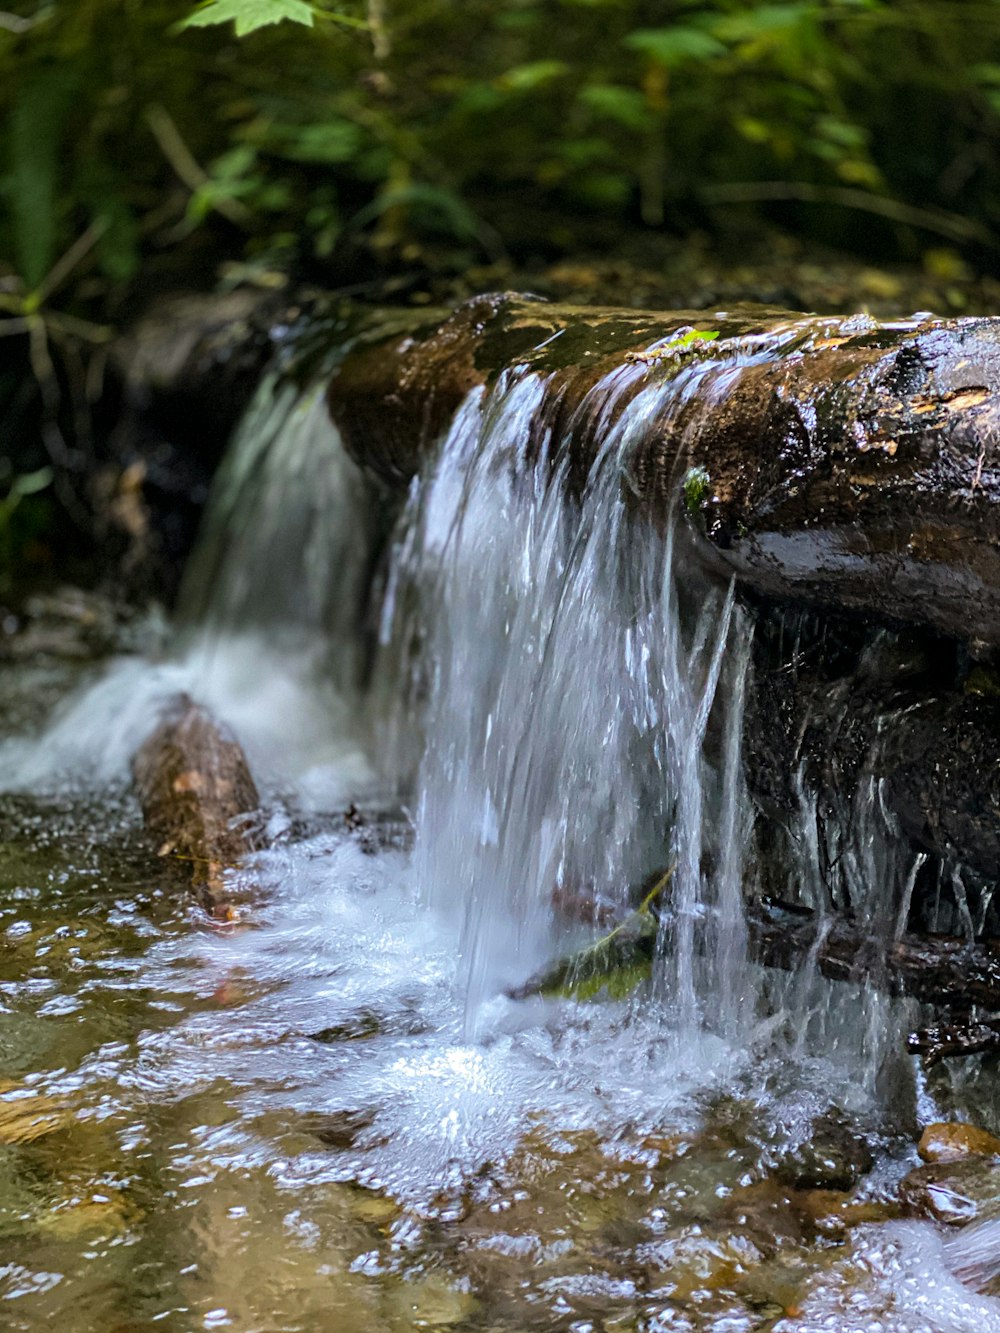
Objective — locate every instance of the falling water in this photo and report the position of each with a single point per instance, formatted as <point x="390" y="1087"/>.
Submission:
<point x="271" y="610"/>
<point x="568" y="664"/>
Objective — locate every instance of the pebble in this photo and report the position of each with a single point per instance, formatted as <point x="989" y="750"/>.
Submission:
<point x="954" y="1192"/>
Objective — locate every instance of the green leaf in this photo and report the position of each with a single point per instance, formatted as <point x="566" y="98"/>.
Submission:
<point x="696" y="486"/>
<point x="675" y="46"/>
<point x="249" y="15"/>
<point x="763" y="21"/>
<point x="328" y="141"/>
<point x="30" y="483"/>
<point x="524" y="78"/>
<point x="617" y="963"/>
<point x="625" y="106"/>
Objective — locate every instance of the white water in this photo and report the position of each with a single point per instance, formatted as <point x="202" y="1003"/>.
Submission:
<point x="576" y="694"/>
<point x="569" y="679"/>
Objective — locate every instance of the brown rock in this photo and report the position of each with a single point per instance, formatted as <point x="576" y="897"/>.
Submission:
<point x="950" y="1142"/>
<point x="834" y="1212"/>
<point x="954" y="1192"/>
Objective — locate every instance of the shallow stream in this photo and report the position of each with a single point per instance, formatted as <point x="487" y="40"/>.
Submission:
<point x="325" y="1114"/>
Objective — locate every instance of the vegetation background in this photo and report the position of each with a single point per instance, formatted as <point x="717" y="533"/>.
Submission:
<point x="384" y="146"/>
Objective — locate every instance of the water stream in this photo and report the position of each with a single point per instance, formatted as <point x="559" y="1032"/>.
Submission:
<point x="328" y="1114"/>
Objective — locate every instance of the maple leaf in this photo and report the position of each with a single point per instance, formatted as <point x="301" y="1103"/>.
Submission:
<point x="249" y="15"/>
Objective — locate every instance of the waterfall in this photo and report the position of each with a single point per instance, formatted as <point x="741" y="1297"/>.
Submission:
<point x="566" y="665"/>
<point x="558" y="693"/>
<point x="270" y="636"/>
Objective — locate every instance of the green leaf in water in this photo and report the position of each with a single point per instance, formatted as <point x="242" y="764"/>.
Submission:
<point x="618" y="962"/>
<point x="695" y="486"/>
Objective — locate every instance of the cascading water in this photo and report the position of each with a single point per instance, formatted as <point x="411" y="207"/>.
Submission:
<point x="566" y="676"/>
<point x="270" y="639"/>
<point x="345" y="1120"/>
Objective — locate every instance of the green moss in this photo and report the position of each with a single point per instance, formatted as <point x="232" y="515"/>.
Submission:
<point x="696" y="486"/>
<point x="983" y="680"/>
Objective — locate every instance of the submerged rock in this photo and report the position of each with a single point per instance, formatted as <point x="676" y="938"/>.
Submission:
<point x="834" y="1157"/>
<point x="954" y="1192"/>
<point x="951" y="1142"/>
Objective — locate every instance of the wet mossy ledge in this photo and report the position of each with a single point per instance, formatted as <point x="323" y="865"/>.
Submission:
<point x="840" y="461"/>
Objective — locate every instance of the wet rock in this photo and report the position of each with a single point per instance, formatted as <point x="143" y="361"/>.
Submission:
<point x="835" y="702"/>
<point x="27" y="1114"/>
<point x="356" y="1027"/>
<point x="430" y="1301"/>
<point x="198" y="799"/>
<point x="103" y="1214"/>
<point x="341" y="1129"/>
<point x="952" y="1141"/>
<point x="834" y="1212"/>
<point x="765" y="1210"/>
<point x="833" y="1158"/>
<point x="954" y="1192"/>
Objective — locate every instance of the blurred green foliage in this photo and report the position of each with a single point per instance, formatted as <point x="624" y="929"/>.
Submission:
<point x="144" y="134"/>
<point x="25" y="517"/>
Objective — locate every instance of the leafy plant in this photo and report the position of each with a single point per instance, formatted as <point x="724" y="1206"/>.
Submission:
<point x="249" y="15"/>
<point x="257" y="129"/>
<point x="696" y="489"/>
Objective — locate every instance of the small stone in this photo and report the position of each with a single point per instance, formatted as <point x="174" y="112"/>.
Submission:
<point x="950" y="1142"/>
<point x="954" y="1192"/>
<point x="834" y="1212"/>
<point x="428" y="1302"/>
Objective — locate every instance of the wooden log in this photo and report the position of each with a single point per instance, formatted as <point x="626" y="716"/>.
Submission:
<point x="940" y="970"/>
<point x="935" y="969"/>
<point x="198" y="799"/>
<point x="849" y="462"/>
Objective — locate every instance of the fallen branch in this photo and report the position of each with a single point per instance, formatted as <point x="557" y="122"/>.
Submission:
<point x="937" y="970"/>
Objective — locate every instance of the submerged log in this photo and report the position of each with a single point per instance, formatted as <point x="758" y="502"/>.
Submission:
<point x="849" y="462"/>
<point x="940" y="970"/>
<point x="198" y="798"/>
